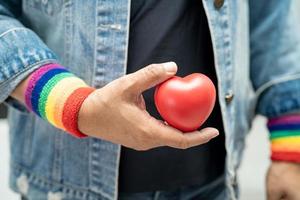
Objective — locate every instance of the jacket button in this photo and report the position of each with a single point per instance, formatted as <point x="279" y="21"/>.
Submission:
<point x="229" y="97"/>
<point x="218" y="3"/>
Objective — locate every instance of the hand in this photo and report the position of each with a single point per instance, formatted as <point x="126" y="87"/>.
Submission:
<point x="283" y="181"/>
<point x="117" y="113"/>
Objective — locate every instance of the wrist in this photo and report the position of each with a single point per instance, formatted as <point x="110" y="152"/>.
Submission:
<point x="89" y="121"/>
<point x="285" y="138"/>
<point x="56" y="95"/>
<point x="84" y="116"/>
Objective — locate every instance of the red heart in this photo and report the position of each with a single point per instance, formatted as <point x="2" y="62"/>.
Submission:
<point x="185" y="103"/>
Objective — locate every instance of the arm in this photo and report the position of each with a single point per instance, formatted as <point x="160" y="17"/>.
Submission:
<point x="275" y="47"/>
<point x="275" y="72"/>
<point x="115" y="112"/>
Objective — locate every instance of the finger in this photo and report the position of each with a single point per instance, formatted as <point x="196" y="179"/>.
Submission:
<point x="141" y="102"/>
<point x="161" y="122"/>
<point x="169" y="136"/>
<point x="152" y="75"/>
<point x="200" y="137"/>
<point x="275" y="196"/>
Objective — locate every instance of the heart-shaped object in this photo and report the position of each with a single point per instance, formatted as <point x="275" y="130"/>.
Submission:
<point x="185" y="103"/>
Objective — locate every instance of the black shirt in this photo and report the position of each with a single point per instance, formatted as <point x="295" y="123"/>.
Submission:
<point x="162" y="31"/>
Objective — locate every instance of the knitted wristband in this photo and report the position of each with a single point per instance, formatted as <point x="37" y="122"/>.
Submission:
<point x="56" y="95"/>
<point x="285" y="138"/>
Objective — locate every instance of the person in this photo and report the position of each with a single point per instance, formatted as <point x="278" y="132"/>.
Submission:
<point x="83" y="124"/>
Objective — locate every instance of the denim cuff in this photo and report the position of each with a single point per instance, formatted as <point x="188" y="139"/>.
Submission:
<point x="280" y="99"/>
<point x="21" y="53"/>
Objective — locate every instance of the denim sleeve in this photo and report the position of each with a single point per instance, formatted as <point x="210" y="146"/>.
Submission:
<point x="275" y="55"/>
<point x="21" y="50"/>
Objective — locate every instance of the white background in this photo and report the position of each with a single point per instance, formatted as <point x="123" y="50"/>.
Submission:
<point x="251" y="174"/>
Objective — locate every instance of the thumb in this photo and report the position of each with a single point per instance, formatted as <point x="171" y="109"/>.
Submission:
<point x="152" y="75"/>
<point x="274" y="186"/>
<point x="275" y="194"/>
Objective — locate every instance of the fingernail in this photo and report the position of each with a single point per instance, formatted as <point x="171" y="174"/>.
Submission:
<point x="215" y="134"/>
<point x="170" y="67"/>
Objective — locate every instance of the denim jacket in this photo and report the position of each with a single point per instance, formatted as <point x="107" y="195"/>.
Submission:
<point x="256" y="47"/>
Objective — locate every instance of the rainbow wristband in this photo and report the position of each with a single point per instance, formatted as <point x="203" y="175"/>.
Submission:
<point x="285" y="138"/>
<point x="56" y="95"/>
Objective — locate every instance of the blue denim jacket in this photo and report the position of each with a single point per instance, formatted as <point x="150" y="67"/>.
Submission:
<point x="256" y="47"/>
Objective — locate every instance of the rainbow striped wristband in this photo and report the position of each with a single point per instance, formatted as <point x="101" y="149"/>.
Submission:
<point x="56" y="95"/>
<point x="285" y="138"/>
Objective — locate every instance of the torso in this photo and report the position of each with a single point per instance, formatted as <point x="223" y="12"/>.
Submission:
<point x="161" y="32"/>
